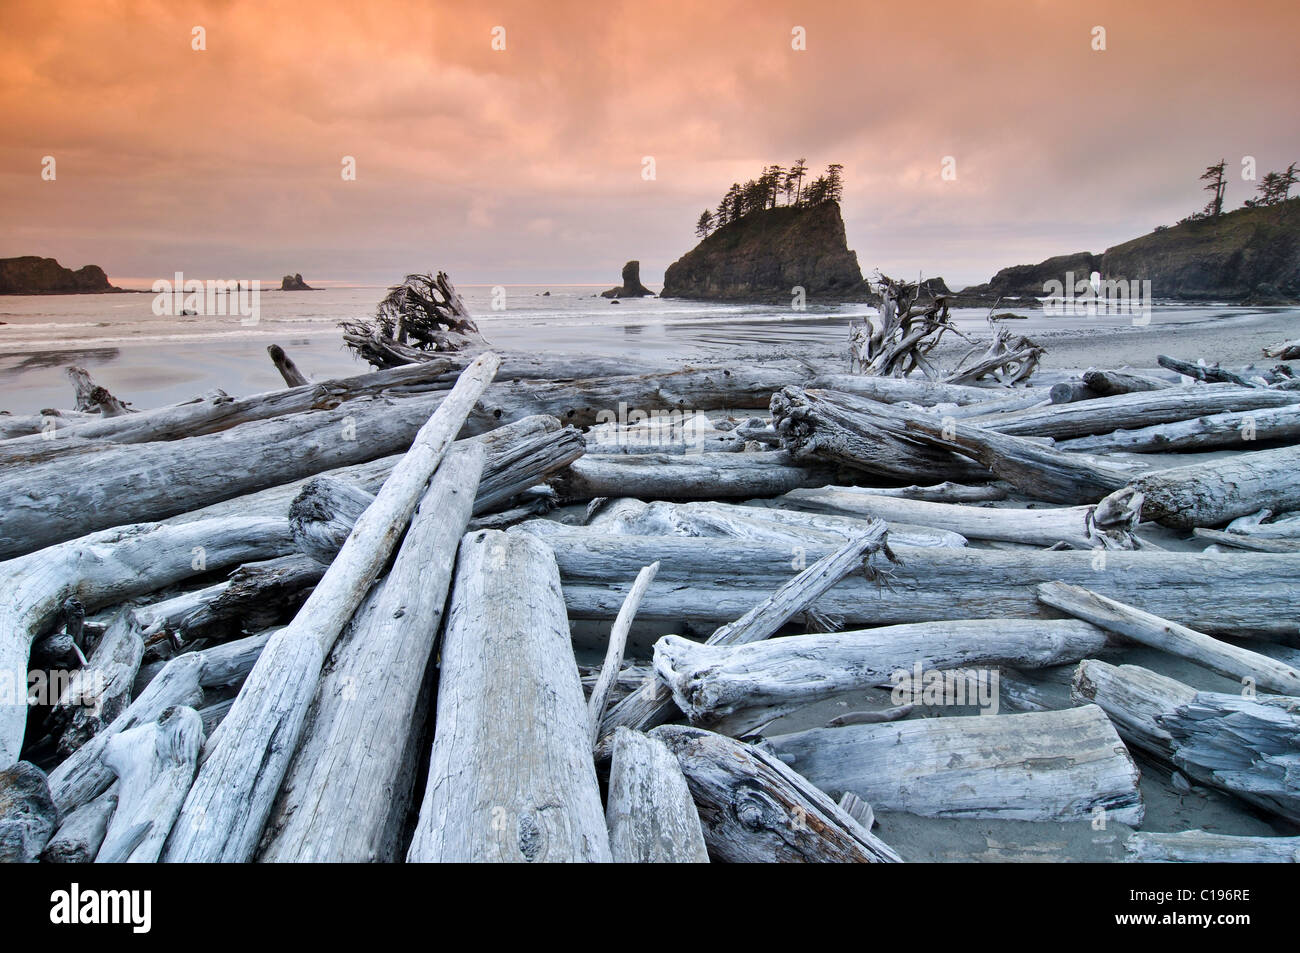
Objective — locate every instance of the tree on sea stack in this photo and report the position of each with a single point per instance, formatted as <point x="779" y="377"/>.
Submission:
<point x="423" y="313"/>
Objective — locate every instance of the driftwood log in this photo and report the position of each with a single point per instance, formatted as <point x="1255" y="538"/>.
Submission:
<point x="651" y="817"/>
<point x="1216" y="491"/>
<point x="703" y="476"/>
<point x="287" y="368"/>
<point x="755" y="809"/>
<point x="1143" y="627"/>
<point x="1038" y="766"/>
<point x="1247" y="746"/>
<point x="79" y="837"/>
<point x="1237" y="429"/>
<point x="232" y="795"/>
<point x="511" y="776"/>
<point x="738" y="689"/>
<point x="1205" y="847"/>
<point x="706" y="581"/>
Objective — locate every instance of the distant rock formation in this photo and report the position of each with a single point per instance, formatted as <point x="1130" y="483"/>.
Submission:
<point x="1249" y="255"/>
<point x="294" y="283"/>
<point x="766" y="254"/>
<point x="32" y="275"/>
<point x="631" y="286"/>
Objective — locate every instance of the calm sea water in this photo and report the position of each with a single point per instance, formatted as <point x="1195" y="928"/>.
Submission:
<point x="151" y="360"/>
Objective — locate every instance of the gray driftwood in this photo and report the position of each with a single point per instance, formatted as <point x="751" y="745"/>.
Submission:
<point x="511" y="776"/>
<point x="651" y="817"/>
<point x="28" y="815"/>
<point x="1037" y="766"/>
<point x="754" y="808"/>
<point x="1205" y="847"/>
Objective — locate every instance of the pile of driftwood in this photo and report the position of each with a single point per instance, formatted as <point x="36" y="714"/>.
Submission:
<point x="336" y="621"/>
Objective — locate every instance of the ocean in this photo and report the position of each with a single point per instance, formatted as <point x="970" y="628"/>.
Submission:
<point x="151" y="360"/>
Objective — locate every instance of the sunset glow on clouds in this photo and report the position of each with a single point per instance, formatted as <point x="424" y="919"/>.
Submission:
<point x="525" y="165"/>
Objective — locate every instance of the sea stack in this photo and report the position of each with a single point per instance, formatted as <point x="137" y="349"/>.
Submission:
<point x="631" y="286"/>
<point x="766" y="254"/>
<point x="294" y="283"/>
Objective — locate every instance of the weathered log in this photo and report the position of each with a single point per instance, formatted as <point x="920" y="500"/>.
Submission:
<point x="28" y="815"/>
<point x="1222" y="657"/>
<point x="736" y="690"/>
<point x="98" y="693"/>
<point x="858" y="426"/>
<point x="1109" y="526"/>
<point x="704" y="476"/>
<point x="725" y="520"/>
<point x="1256" y="544"/>
<point x="1237" y="429"/>
<point x="154" y="764"/>
<point x="234" y="788"/>
<point x="323" y="514"/>
<point x="706" y="581"/>
<point x="255" y="596"/>
<point x="651" y="817"/>
<point x="754" y="809"/>
<point x="825" y="426"/>
<point x="79" y="837"/>
<point x="287" y="368"/>
<point x="91" y="398"/>
<point x="893" y="390"/>
<point x="599" y="696"/>
<point x="347" y="790"/>
<point x="1283" y="527"/>
<point x="511" y="776"/>
<point x="1200" y="372"/>
<point x="104" y="569"/>
<point x="1128" y="411"/>
<point x="1108" y="383"/>
<point x="654" y="705"/>
<point x="1246" y="746"/>
<point x="1204" y="847"/>
<point x="1216" y="491"/>
<point x="1038" y="766"/>
<point x="1286" y="351"/>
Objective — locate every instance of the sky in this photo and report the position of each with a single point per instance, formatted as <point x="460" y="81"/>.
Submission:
<point x="528" y="164"/>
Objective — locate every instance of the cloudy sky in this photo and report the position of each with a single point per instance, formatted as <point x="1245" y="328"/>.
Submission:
<point x="525" y="165"/>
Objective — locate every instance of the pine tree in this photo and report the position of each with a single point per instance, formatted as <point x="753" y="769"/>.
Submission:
<point x="1214" y="175"/>
<point x="796" y="174"/>
<point x="834" y="182"/>
<point x="705" y="224"/>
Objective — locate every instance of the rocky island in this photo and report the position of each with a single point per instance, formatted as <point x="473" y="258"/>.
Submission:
<point x="294" y="283"/>
<point x="33" y="275"/>
<point x="766" y="254"/>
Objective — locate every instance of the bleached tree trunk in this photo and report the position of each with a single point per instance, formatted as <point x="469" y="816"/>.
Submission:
<point x="703" y="476"/>
<point x="1037" y="766"/>
<point x="99" y="692"/>
<point x="755" y="809"/>
<point x="736" y="690"/>
<point x="104" y="569"/>
<point x="1247" y="746"/>
<point x="651" y="817"/>
<point x="1218" y="656"/>
<point x="703" y="582"/>
<point x="1236" y="429"/>
<point x="1081" y="527"/>
<point x="1216" y="491"/>
<point x="287" y="368"/>
<point x="511" y="776"/>
<point x="233" y="792"/>
<point x="1205" y="847"/>
<point x="348" y="787"/>
<point x="155" y="764"/>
